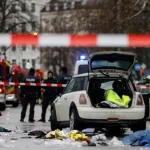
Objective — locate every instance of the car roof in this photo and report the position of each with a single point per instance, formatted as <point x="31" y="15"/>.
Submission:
<point x="82" y="62"/>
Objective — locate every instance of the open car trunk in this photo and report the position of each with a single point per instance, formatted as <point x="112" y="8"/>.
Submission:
<point x="99" y="86"/>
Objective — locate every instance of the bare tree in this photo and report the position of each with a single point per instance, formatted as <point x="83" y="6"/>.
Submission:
<point x="14" y="14"/>
<point x="99" y="16"/>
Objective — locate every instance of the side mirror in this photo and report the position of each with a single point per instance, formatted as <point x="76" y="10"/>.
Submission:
<point x="60" y="94"/>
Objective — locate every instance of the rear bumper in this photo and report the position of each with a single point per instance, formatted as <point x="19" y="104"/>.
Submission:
<point x="2" y="98"/>
<point x="99" y="118"/>
<point x="105" y="123"/>
<point x="103" y="114"/>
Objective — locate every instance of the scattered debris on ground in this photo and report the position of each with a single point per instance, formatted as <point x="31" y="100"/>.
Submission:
<point x="73" y="138"/>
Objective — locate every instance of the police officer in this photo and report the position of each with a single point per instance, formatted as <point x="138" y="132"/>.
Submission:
<point x="30" y="95"/>
<point x="63" y="79"/>
<point x="49" y="94"/>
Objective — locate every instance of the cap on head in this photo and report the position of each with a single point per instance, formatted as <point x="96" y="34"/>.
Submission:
<point x="32" y="71"/>
<point x="64" y="69"/>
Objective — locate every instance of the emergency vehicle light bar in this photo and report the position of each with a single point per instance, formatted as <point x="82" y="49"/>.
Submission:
<point x="71" y="40"/>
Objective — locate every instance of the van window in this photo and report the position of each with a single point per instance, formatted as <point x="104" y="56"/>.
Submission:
<point x="83" y="69"/>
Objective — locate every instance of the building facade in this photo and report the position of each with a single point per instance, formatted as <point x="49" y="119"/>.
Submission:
<point x="27" y="56"/>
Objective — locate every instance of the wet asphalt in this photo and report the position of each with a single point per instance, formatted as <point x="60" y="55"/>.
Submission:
<point x="18" y="138"/>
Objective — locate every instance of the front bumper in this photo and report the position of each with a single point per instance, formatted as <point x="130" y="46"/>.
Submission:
<point x="2" y="98"/>
<point x="11" y="98"/>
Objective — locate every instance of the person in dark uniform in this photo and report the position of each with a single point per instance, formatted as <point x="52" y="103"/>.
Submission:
<point x="49" y="94"/>
<point x="63" y="79"/>
<point x="30" y="95"/>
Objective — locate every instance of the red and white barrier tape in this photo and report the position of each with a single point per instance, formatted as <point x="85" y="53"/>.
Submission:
<point x="32" y="84"/>
<point x="70" y="40"/>
<point x="51" y="85"/>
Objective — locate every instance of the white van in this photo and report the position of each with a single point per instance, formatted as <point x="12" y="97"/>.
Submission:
<point x="81" y="66"/>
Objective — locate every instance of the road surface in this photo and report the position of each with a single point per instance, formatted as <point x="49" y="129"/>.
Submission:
<point x="17" y="140"/>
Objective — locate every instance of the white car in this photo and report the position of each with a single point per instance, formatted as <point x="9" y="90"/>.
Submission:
<point x="78" y="107"/>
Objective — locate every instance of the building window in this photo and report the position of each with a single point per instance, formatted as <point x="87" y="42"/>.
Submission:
<point x="33" y="26"/>
<point x="23" y="27"/>
<point x="48" y="7"/>
<point x="24" y="63"/>
<point x="33" y="7"/>
<point x="14" y="48"/>
<point x="65" y="6"/>
<point x="56" y="7"/>
<point x="24" y="7"/>
<point x="13" y="61"/>
<point x="33" y="63"/>
<point x="24" y="48"/>
<point x="72" y="5"/>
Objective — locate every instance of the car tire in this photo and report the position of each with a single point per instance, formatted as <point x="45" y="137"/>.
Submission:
<point x="74" y="120"/>
<point x="139" y="126"/>
<point x="15" y="104"/>
<point x="53" y="121"/>
<point x="2" y="106"/>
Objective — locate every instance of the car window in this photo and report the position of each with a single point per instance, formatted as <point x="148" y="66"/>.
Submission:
<point x="79" y="84"/>
<point x="83" y="69"/>
<point x="107" y="85"/>
<point x="69" y="87"/>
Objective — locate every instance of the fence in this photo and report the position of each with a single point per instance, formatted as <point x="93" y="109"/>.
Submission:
<point x="32" y="84"/>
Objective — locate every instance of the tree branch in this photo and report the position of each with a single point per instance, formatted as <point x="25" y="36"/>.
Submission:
<point x="137" y="2"/>
<point x="138" y="13"/>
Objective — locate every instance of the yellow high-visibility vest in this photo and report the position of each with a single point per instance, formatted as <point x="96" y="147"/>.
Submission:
<point x="113" y="97"/>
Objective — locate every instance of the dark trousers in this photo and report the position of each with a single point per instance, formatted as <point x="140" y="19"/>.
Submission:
<point x="28" y="99"/>
<point x="45" y="104"/>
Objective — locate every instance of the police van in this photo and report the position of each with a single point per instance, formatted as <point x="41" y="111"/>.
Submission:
<point x="81" y="66"/>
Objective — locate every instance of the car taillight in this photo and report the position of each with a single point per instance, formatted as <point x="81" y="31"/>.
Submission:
<point x="82" y="99"/>
<point x="139" y="100"/>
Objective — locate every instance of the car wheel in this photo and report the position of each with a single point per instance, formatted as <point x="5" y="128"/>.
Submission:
<point x="2" y="106"/>
<point x="139" y="126"/>
<point x="53" y="121"/>
<point x="15" y="104"/>
<point x="74" y="120"/>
